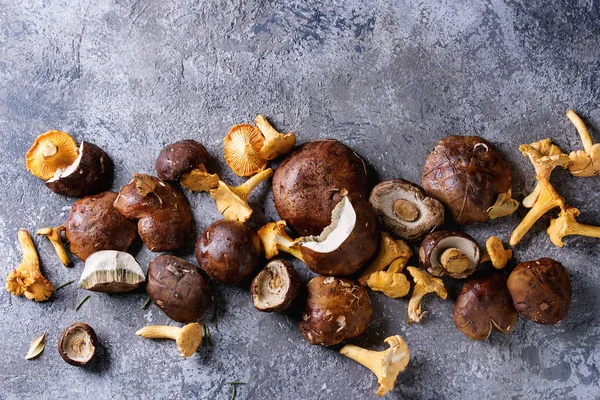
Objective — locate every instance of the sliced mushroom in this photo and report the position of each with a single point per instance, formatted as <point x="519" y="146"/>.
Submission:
<point x="77" y="344"/>
<point x="405" y="210"/>
<point x="455" y="254"/>
<point x="275" y="287"/>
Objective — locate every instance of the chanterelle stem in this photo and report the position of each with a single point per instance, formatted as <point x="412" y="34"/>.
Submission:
<point x="49" y="150"/>
<point x="586" y="138"/>
<point x="243" y="191"/>
<point x="159" y="332"/>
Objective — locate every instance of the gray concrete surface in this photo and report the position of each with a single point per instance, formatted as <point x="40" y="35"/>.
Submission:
<point x="387" y="79"/>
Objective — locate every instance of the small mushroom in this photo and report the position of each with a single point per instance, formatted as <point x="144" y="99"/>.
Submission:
<point x="424" y="284"/>
<point x="50" y="152"/>
<point x="584" y="162"/>
<point x="77" y="344"/>
<point x="54" y="235"/>
<point x="110" y="271"/>
<point x="390" y="251"/>
<point x="392" y="284"/>
<point x="275" y="143"/>
<point x="275" y="287"/>
<point x="386" y="365"/>
<point x="541" y="290"/>
<point x="232" y="202"/>
<point x="566" y="225"/>
<point x="188" y="338"/>
<point x="482" y="304"/>
<point x="242" y="153"/>
<point x="404" y="209"/>
<point x="455" y="254"/>
<point x="496" y="253"/>
<point x="274" y="239"/>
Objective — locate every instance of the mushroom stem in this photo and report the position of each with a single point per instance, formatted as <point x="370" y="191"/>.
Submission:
<point x="55" y="238"/>
<point x="566" y="225"/>
<point x="49" y="150"/>
<point x="159" y="332"/>
<point x="454" y="260"/>
<point x="275" y="143"/>
<point x="188" y="338"/>
<point x="406" y="210"/>
<point x="243" y="191"/>
<point x="586" y="138"/>
<point x="30" y="260"/>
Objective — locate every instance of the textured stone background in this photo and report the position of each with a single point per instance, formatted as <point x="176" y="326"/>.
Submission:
<point x="389" y="81"/>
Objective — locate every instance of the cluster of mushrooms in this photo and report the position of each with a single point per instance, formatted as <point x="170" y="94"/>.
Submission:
<point x="352" y="234"/>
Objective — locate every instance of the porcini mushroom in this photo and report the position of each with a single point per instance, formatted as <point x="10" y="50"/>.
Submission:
<point x="404" y="209"/>
<point x="584" y="162"/>
<point x="54" y="235"/>
<point x="275" y="143"/>
<point x="451" y="253"/>
<point x="275" y="288"/>
<point x="27" y="279"/>
<point x="111" y="271"/>
<point x="50" y="152"/>
<point x="496" y="252"/>
<point x="566" y="225"/>
<point x="188" y="338"/>
<point x="77" y="344"/>
<point x="386" y="365"/>
<point x="390" y="250"/>
<point x="424" y="284"/>
<point x="232" y="202"/>
<point x="241" y="147"/>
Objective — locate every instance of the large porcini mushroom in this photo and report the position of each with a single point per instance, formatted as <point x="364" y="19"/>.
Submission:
<point x="27" y="279"/>
<point x="77" y="344"/>
<point x="404" y="209"/>
<point x="566" y="225"/>
<point x="241" y="147"/>
<point x="584" y="162"/>
<point x="424" y="284"/>
<point x="470" y="176"/>
<point x="342" y="248"/>
<point x="390" y="251"/>
<point x="55" y="237"/>
<point x="50" y="152"/>
<point x="455" y="254"/>
<point x="188" y="338"/>
<point x="111" y="271"/>
<point x="482" y="304"/>
<point x="386" y="365"/>
<point x="275" y="288"/>
<point x="90" y="173"/>
<point x="307" y="183"/>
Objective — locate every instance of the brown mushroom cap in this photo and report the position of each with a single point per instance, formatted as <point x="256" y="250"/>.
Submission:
<point x="483" y="303"/>
<point x="306" y="183"/>
<point x="77" y="344"/>
<point x="180" y="158"/>
<point x="466" y="173"/>
<point x="228" y="251"/>
<point x="275" y="287"/>
<point x="541" y="290"/>
<point x="405" y="210"/>
<point x="90" y="173"/>
<point x="178" y="288"/>
<point x="94" y="224"/>
<point x="50" y="152"/>
<point x="435" y="244"/>
<point x="336" y="309"/>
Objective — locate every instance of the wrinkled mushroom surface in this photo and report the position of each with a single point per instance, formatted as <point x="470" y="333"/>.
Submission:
<point x="179" y="158"/>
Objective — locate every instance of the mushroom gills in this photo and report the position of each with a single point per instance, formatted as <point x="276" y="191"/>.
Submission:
<point x="64" y="172"/>
<point x="343" y="221"/>
<point x="454" y="254"/>
<point x="111" y="271"/>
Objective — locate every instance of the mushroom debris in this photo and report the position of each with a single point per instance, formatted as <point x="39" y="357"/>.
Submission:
<point x="496" y="253"/>
<point x="188" y="338"/>
<point x="50" y="152"/>
<point x="451" y="253"/>
<point x="424" y="284"/>
<point x="54" y="235"/>
<point x="386" y="364"/>
<point x="390" y="251"/>
<point x="232" y="202"/>
<point x="566" y="225"/>
<point x="584" y="162"/>
<point x="27" y="279"/>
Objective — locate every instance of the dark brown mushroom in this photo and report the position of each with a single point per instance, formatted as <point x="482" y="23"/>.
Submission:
<point x="541" y="290"/>
<point x="404" y="210"/>
<point x="275" y="288"/>
<point x="482" y="304"/>
<point x="455" y="254"/>
<point x="179" y="158"/>
<point x="77" y="344"/>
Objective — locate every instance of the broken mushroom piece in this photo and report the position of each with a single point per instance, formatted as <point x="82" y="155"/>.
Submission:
<point x="584" y="162"/>
<point x="275" y="287"/>
<point x="90" y="173"/>
<point x="275" y="143"/>
<point x="455" y="254"/>
<point x="188" y="338"/>
<point x="386" y="365"/>
<point x="482" y="304"/>
<point x="470" y="176"/>
<point x="241" y="148"/>
<point x="77" y="344"/>
<point x="50" y="152"/>
<point x="54" y="235"/>
<point x="390" y="251"/>
<point x="424" y="284"/>
<point x="27" y="279"/>
<point x="496" y="252"/>
<point x="232" y="202"/>
<point x="404" y="209"/>
<point x="336" y="309"/>
<point x="566" y="225"/>
<point x="111" y="271"/>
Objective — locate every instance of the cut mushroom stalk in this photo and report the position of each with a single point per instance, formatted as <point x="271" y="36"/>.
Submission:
<point x="424" y="284"/>
<point x="566" y="225"/>
<point x="455" y="254"/>
<point x="586" y="162"/>
<point x="275" y="143"/>
<point x="188" y="338"/>
<point x="390" y="251"/>
<point x="54" y="235"/>
<point x="386" y="365"/>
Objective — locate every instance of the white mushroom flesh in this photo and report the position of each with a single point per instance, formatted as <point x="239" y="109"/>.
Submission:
<point x="273" y="285"/>
<point x="343" y="221"/>
<point x="466" y="246"/>
<point x="77" y="345"/>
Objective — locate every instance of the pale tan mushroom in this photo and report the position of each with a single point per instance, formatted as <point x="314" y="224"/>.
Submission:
<point x="496" y="252"/>
<point x="54" y="235"/>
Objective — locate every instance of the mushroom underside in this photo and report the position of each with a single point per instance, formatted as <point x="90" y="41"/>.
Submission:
<point x="272" y="288"/>
<point x="343" y="221"/>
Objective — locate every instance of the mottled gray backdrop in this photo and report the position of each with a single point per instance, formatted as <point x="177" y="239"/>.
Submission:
<point x="387" y="79"/>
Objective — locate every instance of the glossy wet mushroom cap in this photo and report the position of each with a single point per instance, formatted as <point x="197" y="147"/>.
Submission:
<point x="179" y="158"/>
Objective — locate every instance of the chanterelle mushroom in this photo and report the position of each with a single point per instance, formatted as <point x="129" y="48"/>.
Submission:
<point x="566" y="225"/>
<point x="50" y="152"/>
<point x="392" y="284"/>
<point x="241" y="150"/>
<point x="232" y="202"/>
<point x="188" y="338"/>
<point x="275" y="143"/>
<point x="53" y="234"/>
<point x="496" y="253"/>
<point x="274" y="239"/>
<point x="424" y="284"/>
<point x="27" y="279"/>
<point x="390" y="250"/>
<point x="386" y="365"/>
<point x="545" y="147"/>
<point x="584" y="162"/>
